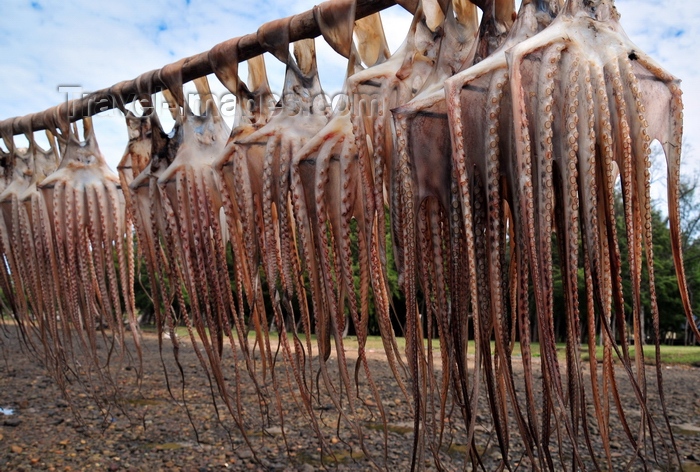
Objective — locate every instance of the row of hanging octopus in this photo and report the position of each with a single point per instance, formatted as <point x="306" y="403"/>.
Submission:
<point x="478" y="140"/>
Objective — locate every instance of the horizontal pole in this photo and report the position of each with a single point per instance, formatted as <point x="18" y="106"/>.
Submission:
<point x="301" y="26"/>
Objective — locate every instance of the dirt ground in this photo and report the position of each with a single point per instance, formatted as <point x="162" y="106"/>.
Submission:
<point x="157" y="429"/>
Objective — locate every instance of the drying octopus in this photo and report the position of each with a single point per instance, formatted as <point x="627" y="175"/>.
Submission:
<point x="233" y="168"/>
<point x="83" y="226"/>
<point x="374" y="92"/>
<point x="268" y="152"/>
<point x="24" y="223"/>
<point x="429" y="223"/>
<point x="149" y="151"/>
<point x="503" y="135"/>
<point x="371" y="93"/>
<point x="194" y="238"/>
<point x="11" y="232"/>
<point x="36" y="236"/>
<point x="480" y="186"/>
<point x="252" y="112"/>
<point x="242" y="168"/>
<point x="538" y="131"/>
<point x="14" y="302"/>
<point x="255" y="170"/>
<point x="329" y="189"/>
<point x="26" y="277"/>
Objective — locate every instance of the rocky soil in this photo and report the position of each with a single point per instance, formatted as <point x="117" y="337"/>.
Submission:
<point x="157" y="429"/>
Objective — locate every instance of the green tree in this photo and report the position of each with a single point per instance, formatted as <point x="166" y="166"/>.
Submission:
<point x="672" y="319"/>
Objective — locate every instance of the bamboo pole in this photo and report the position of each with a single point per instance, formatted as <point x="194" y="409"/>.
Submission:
<point x="301" y="26"/>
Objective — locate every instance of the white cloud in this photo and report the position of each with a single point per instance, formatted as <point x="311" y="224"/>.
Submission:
<point x="47" y="43"/>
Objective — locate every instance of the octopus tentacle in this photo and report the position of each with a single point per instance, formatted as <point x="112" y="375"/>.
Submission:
<point x="642" y="148"/>
<point x="307" y="237"/>
<point x="375" y="217"/>
<point x="464" y="183"/>
<point x="442" y="319"/>
<point x="567" y="195"/>
<point x="413" y="329"/>
<point x="350" y="207"/>
<point x="592" y="257"/>
<point x="625" y="164"/>
<point x="612" y="261"/>
<point x="176" y="277"/>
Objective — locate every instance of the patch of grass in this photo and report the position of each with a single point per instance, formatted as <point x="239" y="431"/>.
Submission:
<point x="304" y="457"/>
<point x="678" y="355"/>
<point x="344" y="456"/>
<point x="392" y="428"/>
<point x="691" y="467"/>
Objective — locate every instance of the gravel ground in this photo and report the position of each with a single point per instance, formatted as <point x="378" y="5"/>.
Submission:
<point x="180" y="430"/>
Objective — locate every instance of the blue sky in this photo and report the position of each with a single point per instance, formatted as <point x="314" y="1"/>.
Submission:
<point x="45" y="44"/>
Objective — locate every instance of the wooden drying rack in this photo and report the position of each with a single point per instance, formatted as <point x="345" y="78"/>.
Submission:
<point x="301" y="26"/>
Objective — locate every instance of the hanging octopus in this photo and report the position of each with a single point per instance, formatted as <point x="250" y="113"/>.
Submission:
<point x="372" y="92"/>
<point x="36" y="238"/>
<point x="260" y="155"/>
<point x="240" y="170"/>
<point x="532" y="136"/>
<point x="15" y="303"/>
<point x="157" y="239"/>
<point x="11" y="234"/>
<point x="329" y="189"/>
<point x="25" y="223"/>
<point x="268" y="151"/>
<point x="430" y="224"/>
<point x="149" y="151"/>
<point x="234" y="170"/>
<point x="90" y="240"/>
<point x="377" y="90"/>
<point x="194" y="238"/>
